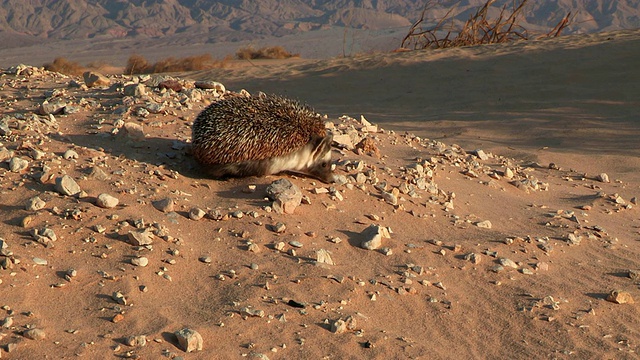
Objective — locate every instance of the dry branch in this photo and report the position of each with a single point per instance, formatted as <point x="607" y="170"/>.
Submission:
<point x="477" y="30"/>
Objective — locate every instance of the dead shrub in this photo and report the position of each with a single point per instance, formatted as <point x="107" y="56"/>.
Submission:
<point x="137" y="64"/>
<point x="267" y="52"/>
<point x="478" y="30"/>
<point x="65" y="66"/>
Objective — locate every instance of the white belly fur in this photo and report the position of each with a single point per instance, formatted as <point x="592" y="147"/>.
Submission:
<point x="296" y="161"/>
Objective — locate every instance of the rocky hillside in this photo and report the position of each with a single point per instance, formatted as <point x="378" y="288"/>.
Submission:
<point x="28" y="22"/>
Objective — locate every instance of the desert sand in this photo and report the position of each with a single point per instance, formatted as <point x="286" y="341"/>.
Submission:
<point x="514" y="215"/>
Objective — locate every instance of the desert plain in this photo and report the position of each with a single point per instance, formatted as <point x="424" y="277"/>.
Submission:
<point x="505" y="176"/>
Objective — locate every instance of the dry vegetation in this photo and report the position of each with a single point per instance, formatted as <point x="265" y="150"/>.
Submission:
<point x="138" y="64"/>
<point x="478" y="30"/>
<point x="65" y="66"/>
<point x="268" y="52"/>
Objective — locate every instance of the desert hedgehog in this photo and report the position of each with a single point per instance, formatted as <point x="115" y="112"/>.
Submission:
<point x="261" y="135"/>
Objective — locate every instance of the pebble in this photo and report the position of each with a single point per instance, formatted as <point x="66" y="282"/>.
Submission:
<point x="603" y="177"/>
<point x="34" y="334"/>
<point x="323" y="257"/>
<point x="40" y="261"/>
<point x="508" y="262"/>
<point x="17" y="164"/>
<point x="296" y="244"/>
<point x="106" y="201"/>
<point x="340" y="326"/>
<point x="196" y="213"/>
<point x="66" y="185"/>
<point x="136" y="90"/>
<point x="373" y="237"/>
<point x="165" y="205"/>
<point x="285" y="196"/>
<point x="137" y="341"/>
<point x="279" y="228"/>
<point x="70" y="155"/>
<point x="480" y="154"/>
<point x="119" y="298"/>
<point x="117" y="318"/>
<point x="6" y="322"/>
<point x="189" y="340"/>
<point x="140" y="261"/>
<point x="140" y="237"/>
<point x="94" y="78"/>
<point x="134" y="131"/>
<point x="252" y="312"/>
<point x="620" y="297"/>
<point x="486" y="224"/>
<point x="473" y="257"/>
<point x="35" y="204"/>
<point x="205" y="259"/>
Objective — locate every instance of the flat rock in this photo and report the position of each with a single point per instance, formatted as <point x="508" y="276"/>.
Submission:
<point x="486" y="224"/>
<point x="189" y="340"/>
<point x="34" y="334"/>
<point x="140" y="237"/>
<point x="66" y="185"/>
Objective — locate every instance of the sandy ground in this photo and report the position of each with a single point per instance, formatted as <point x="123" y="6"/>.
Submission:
<point x="532" y="285"/>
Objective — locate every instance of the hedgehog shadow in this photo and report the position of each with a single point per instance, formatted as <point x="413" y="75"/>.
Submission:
<point x="151" y="150"/>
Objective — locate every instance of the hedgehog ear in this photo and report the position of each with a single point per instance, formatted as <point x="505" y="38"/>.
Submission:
<point x="321" y="145"/>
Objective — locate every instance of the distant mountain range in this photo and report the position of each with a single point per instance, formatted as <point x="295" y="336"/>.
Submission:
<point x="26" y="22"/>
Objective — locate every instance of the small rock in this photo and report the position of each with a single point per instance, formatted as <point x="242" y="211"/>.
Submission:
<point x="196" y="213"/>
<point x="285" y="196"/>
<point x="135" y="90"/>
<point x="480" y="154"/>
<point x="252" y="312"/>
<point x="140" y="237"/>
<point x="189" y="340"/>
<point x="118" y="297"/>
<point x="6" y="322"/>
<point x="620" y="297"/>
<point x="634" y="274"/>
<point x="34" y="334"/>
<point x="296" y="244"/>
<point x="140" y="261"/>
<point x="134" y="131"/>
<point x="106" y="201"/>
<point x="205" y="259"/>
<point x="98" y="174"/>
<point x="484" y="224"/>
<point x="340" y="326"/>
<point x="117" y="318"/>
<point x="278" y="228"/>
<point x="165" y="205"/>
<point x="508" y="262"/>
<point x="603" y="177"/>
<point x="40" y="261"/>
<point x="65" y="185"/>
<point x="35" y="204"/>
<point x="137" y="341"/>
<point x="373" y="237"/>
<point x="17" y="164"/>
<point x="93" y="78"/>
<point x="210" y="85"/>
<point x="323" y="257"/>
<point x="473" y="257"/>
<point x="70" y="155"/>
